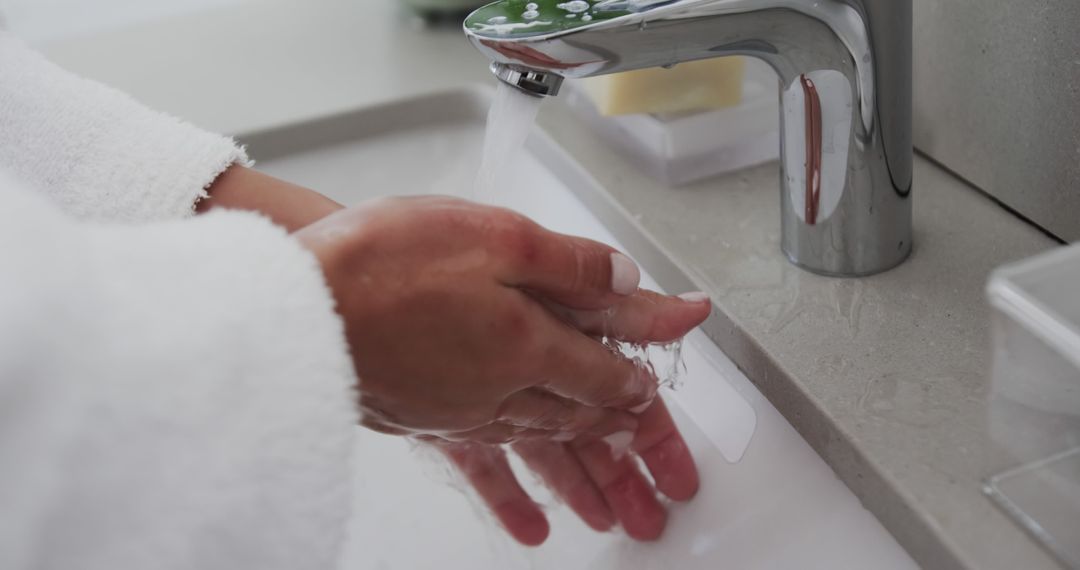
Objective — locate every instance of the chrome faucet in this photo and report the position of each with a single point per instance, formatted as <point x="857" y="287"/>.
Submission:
<point x="844" y="70"/>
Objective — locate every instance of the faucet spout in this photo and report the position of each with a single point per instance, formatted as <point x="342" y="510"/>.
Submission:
<point x="844" y="69"/>
<point x="528" y="81"/>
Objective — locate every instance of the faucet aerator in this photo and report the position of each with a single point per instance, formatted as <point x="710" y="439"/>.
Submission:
<point x="528" y="81"/>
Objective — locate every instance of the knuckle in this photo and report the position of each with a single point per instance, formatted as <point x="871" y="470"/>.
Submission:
<point x="593" y="267"/>
<point x="661" y="329"/>
<point x="517" y="238"/>
<point x="444" y="219"/>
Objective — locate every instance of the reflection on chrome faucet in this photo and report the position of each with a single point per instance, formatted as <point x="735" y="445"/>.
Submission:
<point x="845" y="87"/>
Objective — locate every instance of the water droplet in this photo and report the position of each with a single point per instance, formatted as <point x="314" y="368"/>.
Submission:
<point x="571" y="16"/>
<point x="531" y="15"/>
<point x="575" y="6"/>
<point x="586" y="18"/>
<point x="673" y="376"/>
<point x="532" y="7"/>
<point x="496" y="20"/>
<point x="508" y="28"/>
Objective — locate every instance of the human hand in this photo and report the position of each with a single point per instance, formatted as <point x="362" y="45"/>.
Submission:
<point x="595" y="476"/>
<point x="286" y="204"/>
<point x="445" y="304"/>
<point x="602" y="485"/>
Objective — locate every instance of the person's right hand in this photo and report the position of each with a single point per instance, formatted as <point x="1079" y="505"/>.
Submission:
<point x="445" y="308"/>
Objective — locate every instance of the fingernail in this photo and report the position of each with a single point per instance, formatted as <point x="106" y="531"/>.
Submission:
<point x="641" y="408"/>
<point x="625" y="274"/>
<point x="524" y="522"/>
<point x="619" y="442"/>
<point x="694" y="297"/>
<point x="563" y="436"/>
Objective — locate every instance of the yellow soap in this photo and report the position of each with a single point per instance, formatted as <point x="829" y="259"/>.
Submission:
<point x="695" y="86"/>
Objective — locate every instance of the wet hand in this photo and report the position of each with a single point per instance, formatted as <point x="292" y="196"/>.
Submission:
<point x="598" y="477"/>
<point x="448" y="312"/>
<point x="604" y="486"/>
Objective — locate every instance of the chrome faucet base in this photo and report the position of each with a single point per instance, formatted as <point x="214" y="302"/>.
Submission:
<point x="844" y="69"/>
<point x="817" y="271"/>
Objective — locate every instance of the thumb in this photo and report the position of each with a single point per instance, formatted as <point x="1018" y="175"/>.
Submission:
<point x="644" y="317"/>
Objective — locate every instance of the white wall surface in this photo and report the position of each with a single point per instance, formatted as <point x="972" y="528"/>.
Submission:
<point x="42" y="21"/>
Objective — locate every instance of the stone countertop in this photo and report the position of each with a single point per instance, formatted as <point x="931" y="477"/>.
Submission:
<point x="886" y="376"/>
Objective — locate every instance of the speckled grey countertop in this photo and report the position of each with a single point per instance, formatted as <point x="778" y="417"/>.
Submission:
<point x="886" y="377"/>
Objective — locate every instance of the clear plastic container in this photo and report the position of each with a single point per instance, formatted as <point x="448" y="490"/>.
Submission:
<point x="682" y="148"/>
<point x="1034" y="412"/>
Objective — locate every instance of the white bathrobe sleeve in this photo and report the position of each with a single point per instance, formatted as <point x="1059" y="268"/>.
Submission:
<point x="174" y="395"/>
<point x="96" y="152"/>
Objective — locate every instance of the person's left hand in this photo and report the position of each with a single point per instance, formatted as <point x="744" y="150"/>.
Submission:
<point x="602" y="484"/>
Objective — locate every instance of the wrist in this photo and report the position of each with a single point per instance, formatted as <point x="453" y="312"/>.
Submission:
<point x="286" y="204"/>
<point x="339" y="242"/>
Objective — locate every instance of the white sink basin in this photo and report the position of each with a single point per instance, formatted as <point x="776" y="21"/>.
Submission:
<point x="766" y="501"/>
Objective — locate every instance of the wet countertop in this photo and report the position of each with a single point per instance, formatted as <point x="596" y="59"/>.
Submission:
<point x="886" y="376"/>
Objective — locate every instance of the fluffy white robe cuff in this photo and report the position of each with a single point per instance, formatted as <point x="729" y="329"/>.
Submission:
<point x="98" y="153"/>
<point x="174" y="394"/>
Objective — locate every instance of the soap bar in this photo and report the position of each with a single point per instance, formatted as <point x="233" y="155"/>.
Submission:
<point x="694" y="86"/>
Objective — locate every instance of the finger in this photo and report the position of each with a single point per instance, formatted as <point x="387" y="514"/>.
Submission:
<point x="564" y="475"/>
<point x="645" y="316"/>
<point x="542" y="410"/>
<point x="582" y="369"/>
<point x="496" y="433"/>
<point x="586" y="371"/>
<point x="573" y="271"/>
<point x="664" y="451"/>
<point x="626" y="491"/>
<point x="486" y="469"/>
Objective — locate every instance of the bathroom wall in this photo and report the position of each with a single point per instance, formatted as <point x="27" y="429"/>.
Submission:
<point x="41" y="21"/>
<point x="997" y="100"/>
